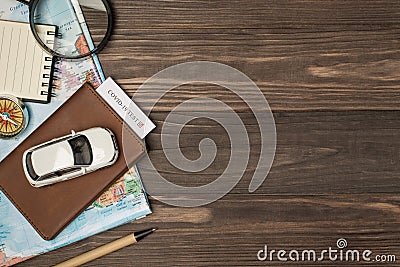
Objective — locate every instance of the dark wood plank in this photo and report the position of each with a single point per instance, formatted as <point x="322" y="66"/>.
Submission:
<point x="231" y="231"/>
<point x="304" y="55"/>
<point x="317" y="153"/>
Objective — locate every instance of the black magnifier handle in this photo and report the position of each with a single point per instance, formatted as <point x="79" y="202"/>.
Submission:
<point x="26" y="2"/>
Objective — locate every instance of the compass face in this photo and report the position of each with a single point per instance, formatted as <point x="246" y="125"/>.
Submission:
<point x="12" y="119"/>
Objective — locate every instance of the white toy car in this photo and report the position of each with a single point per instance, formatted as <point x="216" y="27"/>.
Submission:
<point x="70" y="156"/>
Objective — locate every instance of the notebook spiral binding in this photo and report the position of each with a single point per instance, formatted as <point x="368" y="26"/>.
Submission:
<point x="53" y="33"/>
<point x="49" y="69"/>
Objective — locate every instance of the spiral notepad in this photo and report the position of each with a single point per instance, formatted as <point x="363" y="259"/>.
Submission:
<point x="26" y="69"/>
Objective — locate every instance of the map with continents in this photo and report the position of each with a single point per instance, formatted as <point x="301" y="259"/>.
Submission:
<point x="68" y="77"/>
<point x="123" y="202"/>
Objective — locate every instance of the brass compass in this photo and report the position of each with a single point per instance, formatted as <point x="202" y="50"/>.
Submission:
<point x="13" y="116"/>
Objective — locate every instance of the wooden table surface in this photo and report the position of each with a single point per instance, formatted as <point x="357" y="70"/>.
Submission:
<point x="330" y="72"/>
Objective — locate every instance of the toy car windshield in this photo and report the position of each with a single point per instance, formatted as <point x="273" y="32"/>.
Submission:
<point x="81" y="150"/>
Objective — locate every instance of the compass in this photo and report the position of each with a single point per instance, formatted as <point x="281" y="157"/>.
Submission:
<point x="13" y="116"/>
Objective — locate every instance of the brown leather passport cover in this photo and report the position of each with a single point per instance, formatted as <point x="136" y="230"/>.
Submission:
<point x="51" y="208"/>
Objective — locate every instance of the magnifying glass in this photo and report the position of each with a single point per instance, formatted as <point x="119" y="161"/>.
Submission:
<point x="81" y="27"/>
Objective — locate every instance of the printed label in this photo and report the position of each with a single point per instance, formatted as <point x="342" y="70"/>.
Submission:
<point x="120" y="102"/>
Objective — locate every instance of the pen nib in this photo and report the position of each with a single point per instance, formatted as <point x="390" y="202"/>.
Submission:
<point x="141" y="234"/>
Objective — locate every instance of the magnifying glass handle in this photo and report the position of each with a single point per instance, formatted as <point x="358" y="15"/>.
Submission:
<point x="26" y="2"/>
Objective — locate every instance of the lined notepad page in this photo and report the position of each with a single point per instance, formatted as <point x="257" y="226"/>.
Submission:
<point x="25" y="68"/>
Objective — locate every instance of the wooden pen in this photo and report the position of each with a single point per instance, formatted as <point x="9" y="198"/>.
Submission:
<point x="106" y="249"/>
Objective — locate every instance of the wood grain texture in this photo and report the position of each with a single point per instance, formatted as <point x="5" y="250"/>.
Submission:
<point x="304" y="55"/>
<point x="329" y="70"/>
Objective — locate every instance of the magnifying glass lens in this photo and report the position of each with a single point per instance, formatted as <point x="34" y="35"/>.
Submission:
<point x="70" y="29"/>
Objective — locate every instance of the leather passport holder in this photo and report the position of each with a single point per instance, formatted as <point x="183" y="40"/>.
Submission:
<point x="51" y="208"/>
